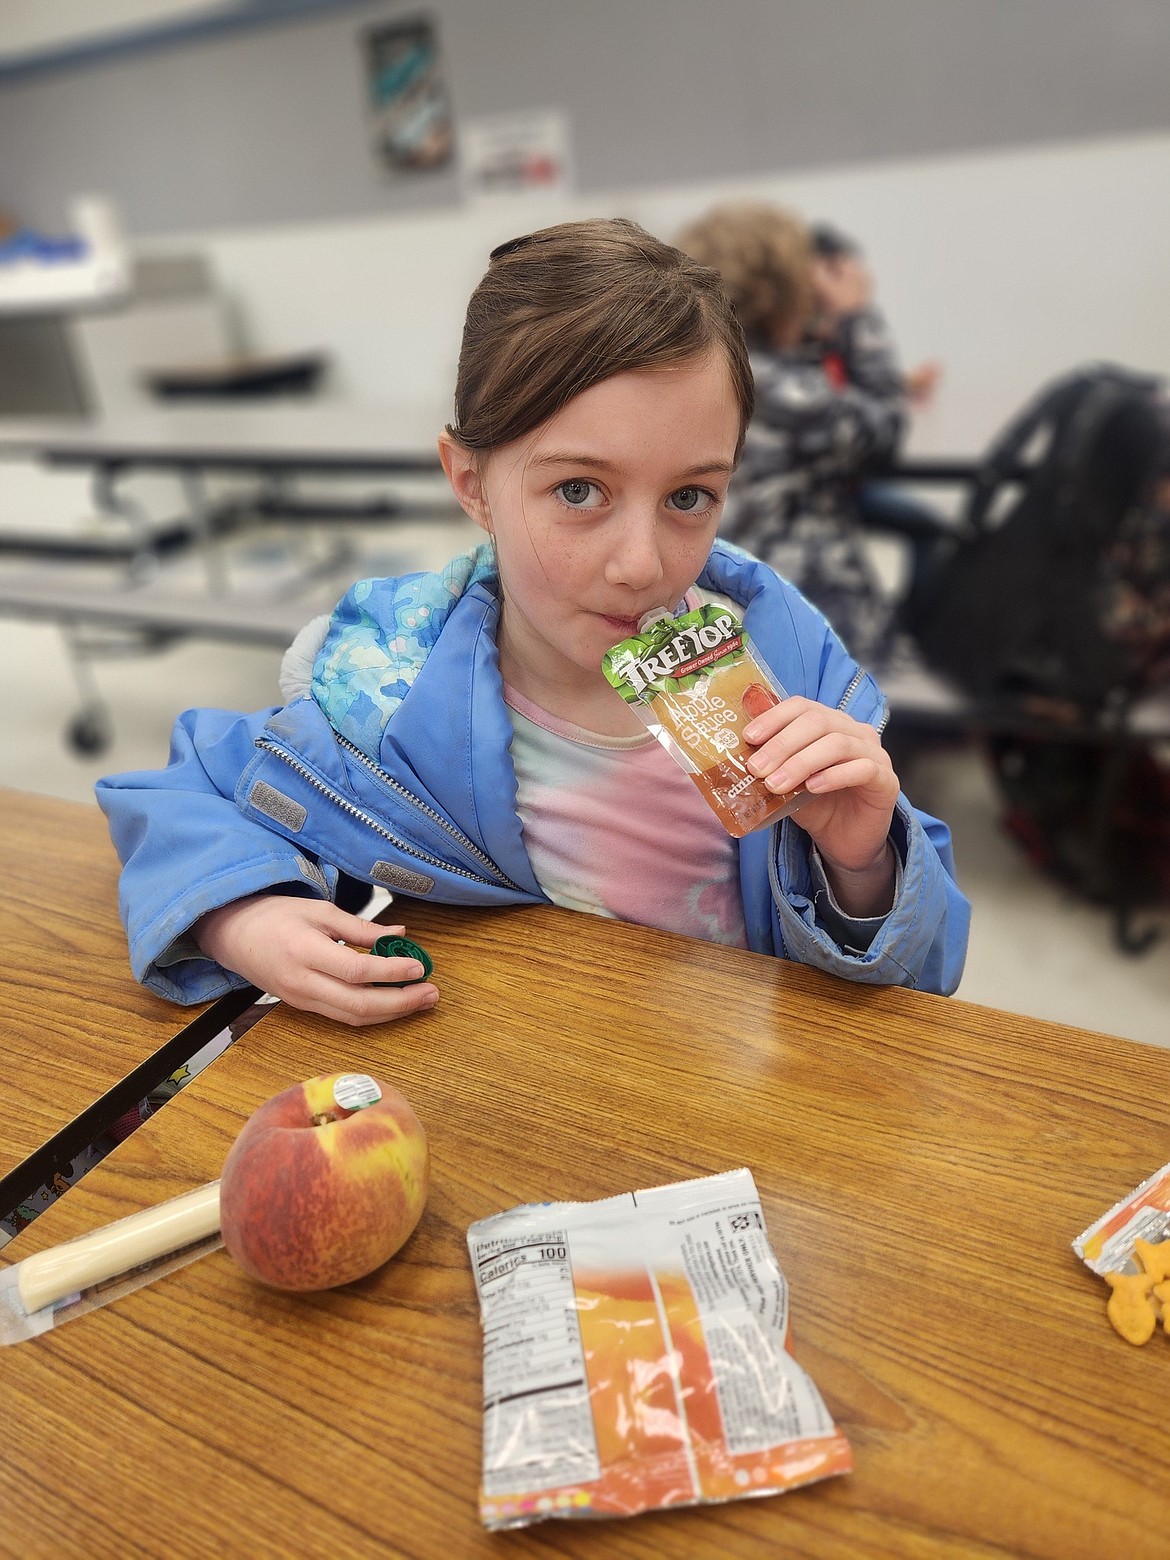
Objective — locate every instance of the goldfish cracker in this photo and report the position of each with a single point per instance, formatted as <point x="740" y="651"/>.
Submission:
<point x="1130" y="1308"/>
<point x="1162" y="1295"/>
<point x="695" y="683"/>
<point x="1155" y="1260"/>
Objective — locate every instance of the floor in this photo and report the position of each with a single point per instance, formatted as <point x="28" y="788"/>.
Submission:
<point x="1034" y="949"/>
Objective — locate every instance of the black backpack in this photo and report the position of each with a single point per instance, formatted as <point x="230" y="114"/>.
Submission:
<point x="1062" y="534"/>
<point x="1053" y="613"/>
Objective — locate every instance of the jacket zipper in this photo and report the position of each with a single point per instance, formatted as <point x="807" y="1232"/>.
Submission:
<point x="852" y="689"/>
<point x="372" y="823"/>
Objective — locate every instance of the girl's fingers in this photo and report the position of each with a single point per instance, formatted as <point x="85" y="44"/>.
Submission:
<point x="367" y="1005"/>
<point x="390" y="972"/>
<point x="339" y="924"/>
<point x="356" y="967"/>
<point x="779" y="717"/>
<point x="789" y="749"/>
<point x="856" y="773"/>
<point x="784" y="767"/>
<point x="354" y="1005"/>
<point x="803" y="726"/>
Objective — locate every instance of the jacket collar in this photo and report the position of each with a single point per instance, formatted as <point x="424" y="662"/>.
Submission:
<point x="379" y="638"/>
<point x="384" y="631"/>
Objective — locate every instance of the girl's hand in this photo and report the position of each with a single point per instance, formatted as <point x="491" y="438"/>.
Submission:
<point x="852" y="790"/>
<point x="293" y="949"/>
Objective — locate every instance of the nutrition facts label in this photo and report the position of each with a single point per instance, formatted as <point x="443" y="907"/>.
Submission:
<point x="538" y="1425"/>
<point x="635" y="1356"/>
<point x="742" y="1299"/>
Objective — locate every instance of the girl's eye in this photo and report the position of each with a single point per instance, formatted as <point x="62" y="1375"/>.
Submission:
<point x="580" y="494"/>
<point x="692" y="500"/>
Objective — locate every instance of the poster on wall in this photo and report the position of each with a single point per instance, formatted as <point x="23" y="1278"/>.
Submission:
<point x="411" y="124"/>
<point x="512" y="154"/>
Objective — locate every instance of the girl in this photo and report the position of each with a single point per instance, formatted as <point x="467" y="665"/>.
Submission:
<point x="452" y="736"/>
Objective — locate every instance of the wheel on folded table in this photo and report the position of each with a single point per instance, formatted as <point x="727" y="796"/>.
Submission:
<point x="89" y="732"/>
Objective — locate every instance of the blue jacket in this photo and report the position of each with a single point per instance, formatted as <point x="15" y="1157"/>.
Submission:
<point x="395" y="768"/>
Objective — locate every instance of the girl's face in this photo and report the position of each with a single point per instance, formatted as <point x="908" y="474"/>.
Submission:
<point x="607" y="510"/>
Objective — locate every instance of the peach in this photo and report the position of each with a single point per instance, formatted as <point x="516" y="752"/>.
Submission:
<point x="325" y="1182"/>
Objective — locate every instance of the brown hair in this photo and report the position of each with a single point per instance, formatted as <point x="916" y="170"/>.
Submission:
<point x="560" y="310"/>
<point x="765" y="257"/>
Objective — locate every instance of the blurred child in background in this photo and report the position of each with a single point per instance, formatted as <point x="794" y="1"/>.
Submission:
<point x="842" y="275"/>
<point x="843" y="278"/>
<point x="830" y="408"/>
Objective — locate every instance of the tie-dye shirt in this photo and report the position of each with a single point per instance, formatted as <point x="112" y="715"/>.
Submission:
<point x="613" y="826"/>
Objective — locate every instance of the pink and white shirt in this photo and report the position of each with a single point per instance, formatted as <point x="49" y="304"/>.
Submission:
<point x="613" y="826"/>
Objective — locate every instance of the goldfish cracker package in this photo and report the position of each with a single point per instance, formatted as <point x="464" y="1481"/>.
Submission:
<point x="695" y="683"/>
<point x="1129" y="1247"/>
<point x="635" y="1357"/>
<point x="1108" y="1245"/>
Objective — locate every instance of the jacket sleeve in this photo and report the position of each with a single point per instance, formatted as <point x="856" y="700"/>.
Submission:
<point x="922" y="942"/>
<point x="186" y="848"/>
<point x="867" y="354"/>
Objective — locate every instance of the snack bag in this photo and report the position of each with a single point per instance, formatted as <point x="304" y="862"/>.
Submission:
<point x="1129" y="1247"/>
<point x="635" y="1357"/>
<point x="695" y="684"/>
<point x="1108" y="1245"/>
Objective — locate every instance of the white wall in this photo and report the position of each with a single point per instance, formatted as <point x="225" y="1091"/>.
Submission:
<point x="1008" y="266"/>
<point x="210" y="127"/>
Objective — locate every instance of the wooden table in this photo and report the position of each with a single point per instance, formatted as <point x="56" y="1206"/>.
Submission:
<point x="72" y="1021"/>
<point x="923" y="1165"/>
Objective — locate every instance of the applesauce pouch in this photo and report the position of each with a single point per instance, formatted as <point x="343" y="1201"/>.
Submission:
<point x="635" y="1356"/>
<point x="695" y="683"/>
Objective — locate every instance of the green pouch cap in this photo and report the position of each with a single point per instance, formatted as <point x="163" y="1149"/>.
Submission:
<point x="403" y="948"/>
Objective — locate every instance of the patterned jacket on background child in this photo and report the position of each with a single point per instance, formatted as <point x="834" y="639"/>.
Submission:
<point x="826" y="414"/>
